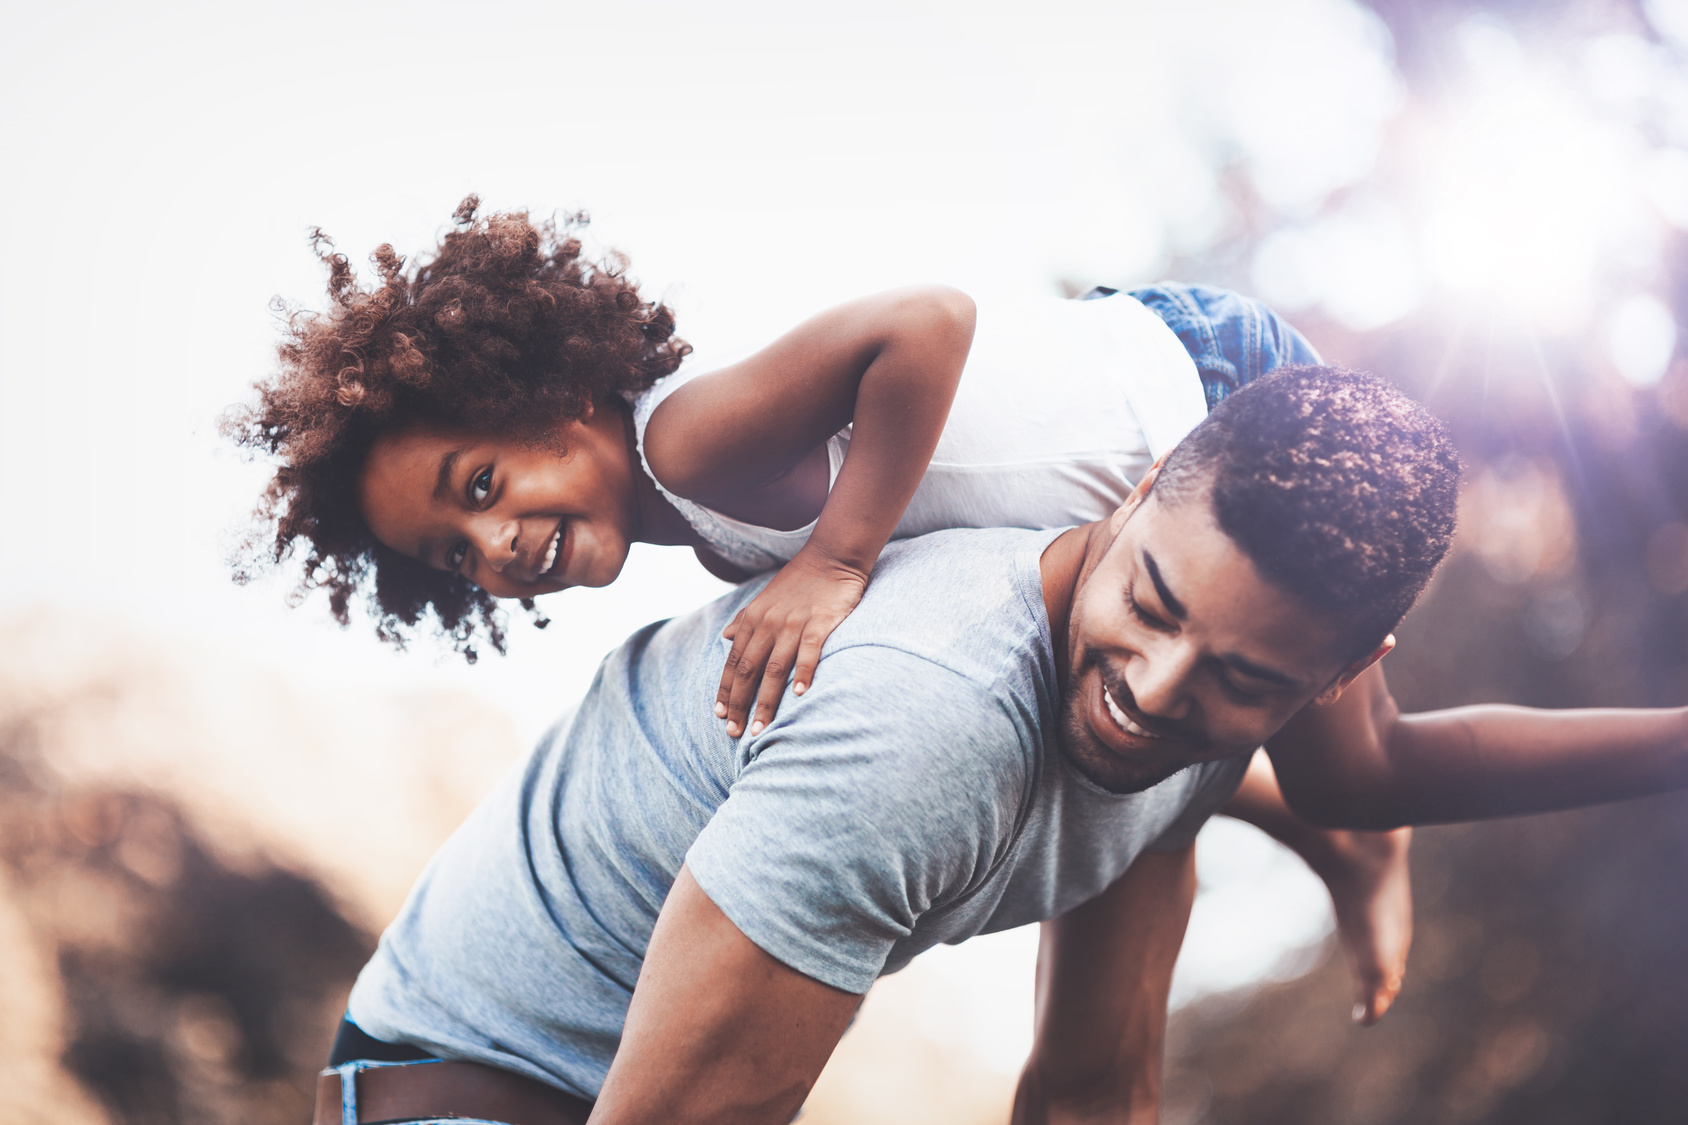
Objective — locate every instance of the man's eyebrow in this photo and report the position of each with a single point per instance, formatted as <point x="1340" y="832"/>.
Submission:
<point x="1259" y="671"/>
<point x="1172" y="604"/>
<point x="447" y="463"/>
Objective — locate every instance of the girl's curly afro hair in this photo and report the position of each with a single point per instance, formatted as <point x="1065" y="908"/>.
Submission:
<point x="508" y="329"/>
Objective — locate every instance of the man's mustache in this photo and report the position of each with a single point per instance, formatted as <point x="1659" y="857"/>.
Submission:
<point x="1121" y="692"/>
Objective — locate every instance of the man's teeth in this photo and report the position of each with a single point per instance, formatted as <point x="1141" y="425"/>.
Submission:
<point x="1122" y="719"/>
<point x="551" y="551"/>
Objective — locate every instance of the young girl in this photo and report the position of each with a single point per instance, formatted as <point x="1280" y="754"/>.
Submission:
<point x="506" y="419"/>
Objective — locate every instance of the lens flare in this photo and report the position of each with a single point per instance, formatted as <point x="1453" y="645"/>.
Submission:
<point x="1530" y="193"/>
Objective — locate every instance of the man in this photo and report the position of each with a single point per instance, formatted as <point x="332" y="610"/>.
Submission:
<point x="1012" y="727"/>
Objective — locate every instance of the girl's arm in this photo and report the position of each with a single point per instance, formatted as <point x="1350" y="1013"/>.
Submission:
<point x="749" y="441"/>
<point x="1360" y="763"/>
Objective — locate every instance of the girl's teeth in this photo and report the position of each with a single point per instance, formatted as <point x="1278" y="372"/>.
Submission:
<point x="551" y="552"/>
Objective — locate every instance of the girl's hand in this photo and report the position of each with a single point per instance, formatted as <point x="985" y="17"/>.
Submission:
<point x="781" y="632"/>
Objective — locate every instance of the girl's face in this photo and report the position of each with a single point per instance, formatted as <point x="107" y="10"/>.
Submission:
<point x="515" y="519"/>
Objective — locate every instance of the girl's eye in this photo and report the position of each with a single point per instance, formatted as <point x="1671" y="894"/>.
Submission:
<point x="454" y="558"/>
<point x="481" y="487"/>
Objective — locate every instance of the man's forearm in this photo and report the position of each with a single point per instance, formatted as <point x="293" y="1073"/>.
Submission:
<point x="718" y="1031"/>
<point x="1104" y="975"/>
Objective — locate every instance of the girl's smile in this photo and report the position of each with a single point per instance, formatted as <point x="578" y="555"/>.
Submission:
<point x="517" y="518"/>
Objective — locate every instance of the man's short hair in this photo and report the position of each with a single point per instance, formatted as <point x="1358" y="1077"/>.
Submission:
<point x="1341" y="490"/>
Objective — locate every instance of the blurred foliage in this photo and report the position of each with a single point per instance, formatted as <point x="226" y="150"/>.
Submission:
<point x="193" y="991"/>
<point x="1546" y="986"/>
<point x="1547" y="983"/>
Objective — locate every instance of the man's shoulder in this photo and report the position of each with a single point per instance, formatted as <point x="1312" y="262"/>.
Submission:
<point x="966" y="599"/>
<point x="947" y="654"/>
<point x="949" y="647"/>
<point x="959" y="573"/>
<point x="953" y="608"/>
<point x="985" y="548"/>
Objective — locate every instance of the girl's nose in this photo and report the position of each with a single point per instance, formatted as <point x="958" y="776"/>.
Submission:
<point x="498" y="542"/>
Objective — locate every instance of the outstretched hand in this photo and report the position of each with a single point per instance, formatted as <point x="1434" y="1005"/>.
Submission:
<point x="780" y="634"/>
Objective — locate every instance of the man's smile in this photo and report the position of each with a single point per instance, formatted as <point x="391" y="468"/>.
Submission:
<point x="1124" y="720"/>
<point x="1114" y="746"/>
<point x="1118" y="722"/>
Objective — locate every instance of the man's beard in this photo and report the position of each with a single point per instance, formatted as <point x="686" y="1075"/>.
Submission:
<point x="1100" y="763"/>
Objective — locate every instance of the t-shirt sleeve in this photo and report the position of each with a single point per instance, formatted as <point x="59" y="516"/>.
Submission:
<point x="1214" y="784"/>
<point x="891" y="789"/>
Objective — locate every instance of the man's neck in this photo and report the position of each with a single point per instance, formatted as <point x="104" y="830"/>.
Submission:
<point x="1060" y="566"/>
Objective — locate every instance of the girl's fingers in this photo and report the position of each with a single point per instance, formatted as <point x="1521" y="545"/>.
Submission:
<point x="729" y="673"/>
<point x="773" y="683"/>
<point x="731" y="630"/>
<point x="808" y="656"/>
<point x="747" y="675"/>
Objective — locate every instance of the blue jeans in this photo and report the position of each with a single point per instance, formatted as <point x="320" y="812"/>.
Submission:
<point x="1233" y="339"/>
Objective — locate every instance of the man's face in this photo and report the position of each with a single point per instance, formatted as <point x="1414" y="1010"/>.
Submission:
<point x="1180" y="652"/>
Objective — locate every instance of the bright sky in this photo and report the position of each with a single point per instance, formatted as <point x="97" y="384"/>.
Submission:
<point x="164" y="165"/>
<point x="756" y="161"/>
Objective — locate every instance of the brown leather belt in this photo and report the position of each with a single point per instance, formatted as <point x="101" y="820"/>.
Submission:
<point x="427" y="1090"/>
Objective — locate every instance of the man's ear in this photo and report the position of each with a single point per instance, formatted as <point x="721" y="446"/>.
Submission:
<point x="1138" y="495"/>
<point x="1351" y="673"/>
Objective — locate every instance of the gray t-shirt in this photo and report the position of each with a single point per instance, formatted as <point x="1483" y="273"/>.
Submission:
<point x="915" y="794"/>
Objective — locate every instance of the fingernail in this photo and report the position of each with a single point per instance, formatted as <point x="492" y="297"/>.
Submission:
<point x="720" y="710"/>
<point x="733" y="729"/>
<point x="1359" y="1013"/>
<point x="799" y="688"/>
<point x="756" y="727"/>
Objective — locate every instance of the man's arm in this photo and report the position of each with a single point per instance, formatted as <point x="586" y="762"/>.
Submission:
<point x="1103" y="973"/>
<point x="1360" y="763"/>
<point x="718" y="1030"/>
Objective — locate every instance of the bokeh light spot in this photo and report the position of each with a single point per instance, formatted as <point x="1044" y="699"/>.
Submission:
<point x="1358" y="263"/>
<point x="1665" y="177"/>
<point x="1671" y="18"/>
<point x="1641" y="337"/>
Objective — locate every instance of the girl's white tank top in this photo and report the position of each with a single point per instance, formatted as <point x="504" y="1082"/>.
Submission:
<point x="1061" y="409"/>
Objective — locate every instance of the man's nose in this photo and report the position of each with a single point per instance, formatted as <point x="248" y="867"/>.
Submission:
<point x="1159" y="680"/>
<point x="497" y="540"/>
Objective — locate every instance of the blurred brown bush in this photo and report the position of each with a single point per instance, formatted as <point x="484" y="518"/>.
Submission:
<point x="189" y="990"/>
<point x="1547" y="982"/>
<point x="192" y="867"/>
